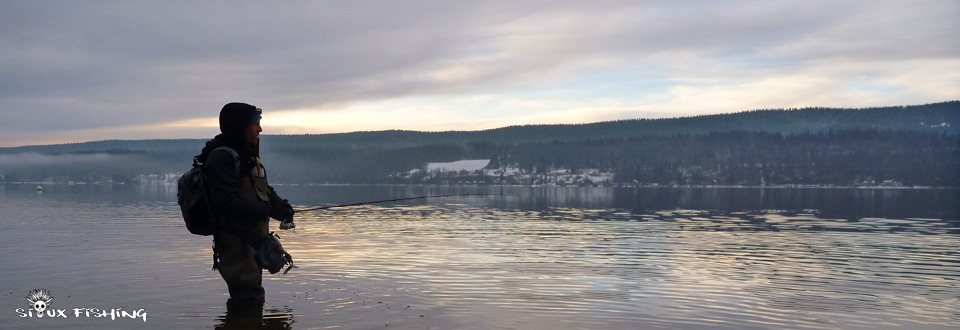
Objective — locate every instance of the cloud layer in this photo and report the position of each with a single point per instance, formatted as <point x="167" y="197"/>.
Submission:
<point x="74" y="71"/>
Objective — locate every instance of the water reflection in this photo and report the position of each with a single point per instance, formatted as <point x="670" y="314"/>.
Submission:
<point x="841" y="203"/>
<point x="252" y="316"/>
<point x="570" y="258"/>
<point x="611" y="268"/>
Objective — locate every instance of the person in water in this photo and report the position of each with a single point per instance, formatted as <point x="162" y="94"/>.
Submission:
<point x="242" y="200"/>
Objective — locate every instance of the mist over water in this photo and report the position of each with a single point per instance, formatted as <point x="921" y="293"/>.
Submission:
<point x="535" y="258"/>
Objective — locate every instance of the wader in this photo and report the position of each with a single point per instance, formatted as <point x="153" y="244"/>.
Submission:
<point x="237" y="260"/>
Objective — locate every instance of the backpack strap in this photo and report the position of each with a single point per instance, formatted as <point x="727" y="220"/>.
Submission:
<point x="216" y="221"/>
<point x="236" y="159"/>
<point x="236" y="156"/>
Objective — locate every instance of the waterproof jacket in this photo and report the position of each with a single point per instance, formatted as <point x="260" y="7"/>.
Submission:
<point x="240" y="194"/>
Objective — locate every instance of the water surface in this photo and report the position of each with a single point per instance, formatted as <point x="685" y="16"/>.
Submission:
<point x="536" y="258"/>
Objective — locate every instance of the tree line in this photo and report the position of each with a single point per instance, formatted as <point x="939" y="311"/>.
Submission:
<point x="845" y="157"/>
<point x="848" y="157"/>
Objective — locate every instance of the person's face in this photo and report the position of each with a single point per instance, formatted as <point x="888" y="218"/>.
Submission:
<point x="252" y="134"/>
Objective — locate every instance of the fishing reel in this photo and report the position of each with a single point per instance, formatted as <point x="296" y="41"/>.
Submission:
<point x="287" y="224"/>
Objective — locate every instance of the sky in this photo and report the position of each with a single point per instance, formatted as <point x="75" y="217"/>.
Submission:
<point x="75" y="71"/>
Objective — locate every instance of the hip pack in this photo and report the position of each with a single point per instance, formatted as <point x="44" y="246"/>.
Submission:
<point x="271" y="255"/>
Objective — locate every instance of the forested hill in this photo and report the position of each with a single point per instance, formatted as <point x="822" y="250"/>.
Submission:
<point x="937" y="117"/>
<point x="903" y="145"/>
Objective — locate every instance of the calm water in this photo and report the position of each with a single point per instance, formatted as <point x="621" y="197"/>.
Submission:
<point x="536" y="258"/>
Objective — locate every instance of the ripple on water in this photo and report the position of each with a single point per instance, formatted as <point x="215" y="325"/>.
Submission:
<point x="764" y="269"/>
<point x="466" y="266"/>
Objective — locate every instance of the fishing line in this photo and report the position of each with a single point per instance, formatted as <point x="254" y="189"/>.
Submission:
<point x="390" y="200"/>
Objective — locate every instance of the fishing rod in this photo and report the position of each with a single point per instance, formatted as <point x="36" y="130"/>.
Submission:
<point x="390" y="200"/>
<point x="289" y="224"/>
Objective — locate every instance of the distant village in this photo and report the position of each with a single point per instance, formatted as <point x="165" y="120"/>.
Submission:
<point x="463" y="172"/>
<point x="476" y="172"/>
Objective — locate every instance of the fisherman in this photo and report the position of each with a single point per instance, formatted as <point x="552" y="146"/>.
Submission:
<point x="243" y="201"/>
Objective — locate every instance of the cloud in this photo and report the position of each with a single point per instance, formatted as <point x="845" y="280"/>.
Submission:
<point x="74" y="70"/>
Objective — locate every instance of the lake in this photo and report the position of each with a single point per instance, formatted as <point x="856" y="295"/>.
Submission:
<point x="525" y="258"/>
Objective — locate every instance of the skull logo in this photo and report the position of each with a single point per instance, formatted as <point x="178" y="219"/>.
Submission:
<point x="40" y="305"/>
<point x="39" y="299"/>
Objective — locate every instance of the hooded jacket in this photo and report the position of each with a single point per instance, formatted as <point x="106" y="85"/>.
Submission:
<point x="225" y="179"/>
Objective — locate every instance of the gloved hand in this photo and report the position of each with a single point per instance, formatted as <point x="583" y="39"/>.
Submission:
<point x="281" y="210"/>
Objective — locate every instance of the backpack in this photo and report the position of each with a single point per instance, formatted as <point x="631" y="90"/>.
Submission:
<point x="197" y="210"/>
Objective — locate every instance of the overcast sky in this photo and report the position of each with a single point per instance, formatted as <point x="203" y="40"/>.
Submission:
<point x="75" y="71"/>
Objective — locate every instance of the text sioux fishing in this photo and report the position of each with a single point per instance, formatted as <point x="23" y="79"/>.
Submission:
<point x="113" y="314"/>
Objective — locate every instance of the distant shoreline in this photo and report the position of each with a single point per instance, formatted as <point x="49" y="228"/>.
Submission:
<point x="510" y="185"/>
